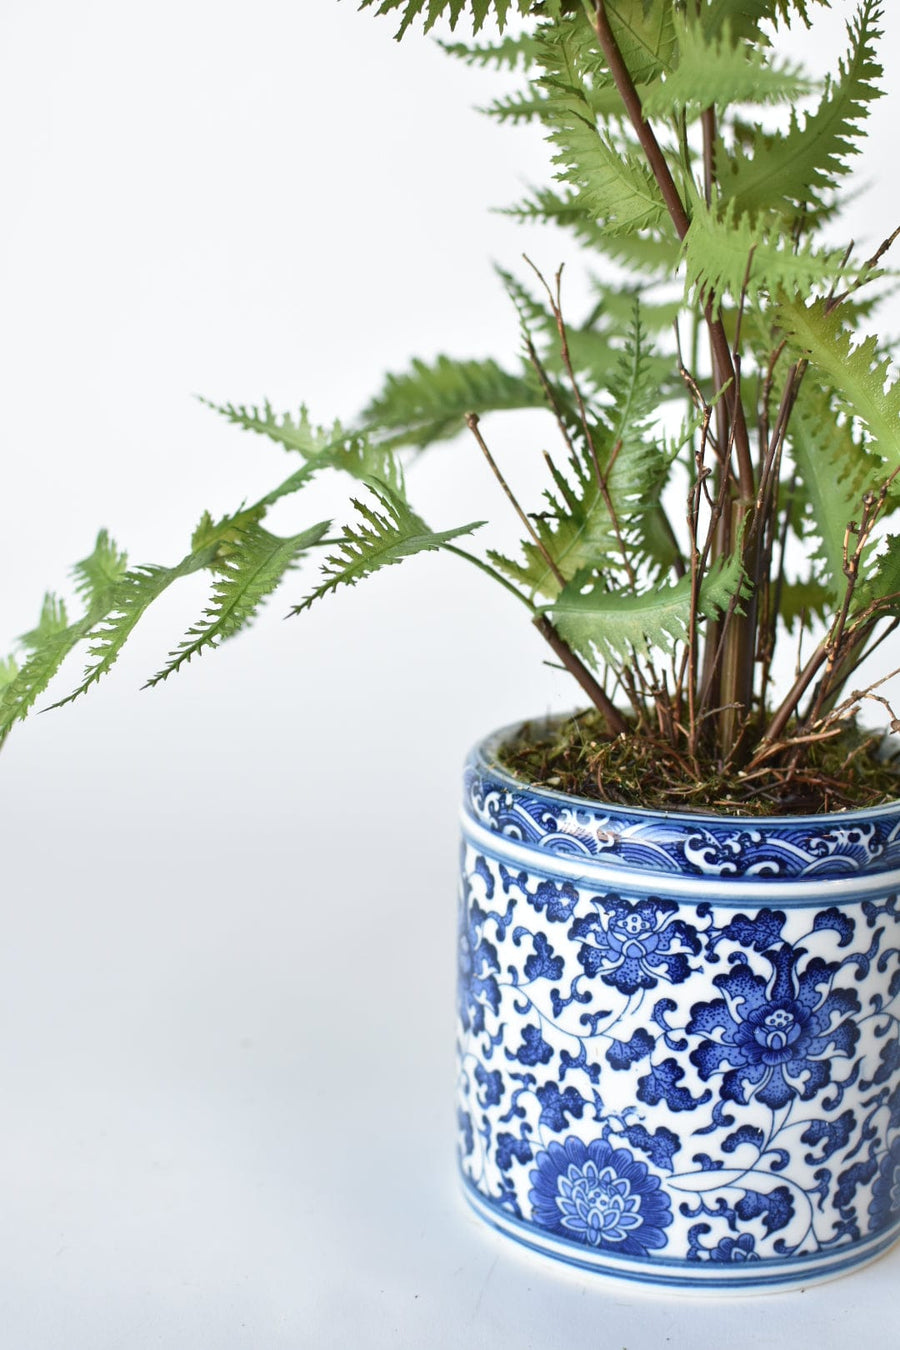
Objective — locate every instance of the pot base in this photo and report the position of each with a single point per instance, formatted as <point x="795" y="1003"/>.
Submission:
<point x="685" y="1278"/>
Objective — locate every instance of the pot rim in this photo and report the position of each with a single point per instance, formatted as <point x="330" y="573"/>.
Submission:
<point x="483" y="757"/>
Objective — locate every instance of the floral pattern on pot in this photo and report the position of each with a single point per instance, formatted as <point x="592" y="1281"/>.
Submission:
<point x="779" y="1036"/>
<point x="599" y="1195"/>
<point x="678" y="1081"/>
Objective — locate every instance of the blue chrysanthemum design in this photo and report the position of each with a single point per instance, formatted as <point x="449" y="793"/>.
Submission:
<point x="601" y="1196"/>
<point x="633" y="946"/>
<point x="884" y="1208"/>
<point x="778" y="1037"/>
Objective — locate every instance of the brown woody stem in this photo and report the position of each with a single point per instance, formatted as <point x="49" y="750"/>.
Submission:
<point x="579" y="671"/>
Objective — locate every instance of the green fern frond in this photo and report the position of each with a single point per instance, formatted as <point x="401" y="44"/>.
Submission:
<point x="291" y="433"/>
<point x="803" y="164"/>
<point x="218" y="546"/>
<point x="430" y="11"/>
<point x="224" y="535"/>
<point x="515" y="108"/>
<point x="717" y="70"/>
<point x="645" y="35"/>
<point x="96" y="574"/>
<point x="510" y="53"/>
<point x="747" y="19"/>
<point x="615" y="303"/>
<point x="321" y="447"/>
<point x="54" y="620"/>
<point x="633" y="387"/>
<point x="614" y="187"/>
<point x="429" y="402"/>
<point x="883" y="584"/>
<point x="835" y="470"/>
<point x="255" y="566"/>
<point x="96" y="579"/>
<point x="381" y="538"/>
<point x="611" y="626"/>
<point x="719" y="246"/>
<point x="804" y="602"/>
<point x="47" y="646"/>
<point x="860" y="374"/>
<point x="579" y="530"/>
<point x="9" y="669"/>
<point x="653" y="256"/>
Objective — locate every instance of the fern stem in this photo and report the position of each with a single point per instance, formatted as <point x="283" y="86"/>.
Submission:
<point x="573" y="664"/>
<point x="731" y="683"/>
<point x="576" y="668"/>
<point x="491" y="572"/>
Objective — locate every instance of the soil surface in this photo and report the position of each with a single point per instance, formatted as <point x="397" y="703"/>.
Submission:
<point x="853" y="769"/>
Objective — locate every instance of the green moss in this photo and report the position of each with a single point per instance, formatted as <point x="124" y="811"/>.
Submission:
<point x="855" y="768"/>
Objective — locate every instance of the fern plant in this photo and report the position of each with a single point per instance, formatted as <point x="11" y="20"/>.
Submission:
<point x="724" y="428"/>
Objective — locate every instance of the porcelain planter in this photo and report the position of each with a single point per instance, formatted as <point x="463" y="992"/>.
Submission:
<point x="679" y="1035"/>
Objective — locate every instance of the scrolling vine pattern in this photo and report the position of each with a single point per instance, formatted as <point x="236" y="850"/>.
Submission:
<point x="645" y="1078"/>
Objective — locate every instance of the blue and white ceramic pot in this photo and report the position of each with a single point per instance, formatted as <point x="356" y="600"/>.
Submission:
<point x="679" y="1035"/>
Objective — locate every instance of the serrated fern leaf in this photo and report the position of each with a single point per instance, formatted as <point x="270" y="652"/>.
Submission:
<point x="613" y="186"/>
<point x="96" y="574"/>
<point x="598" y="521"/>
<point x="255" y="566"/>
<point x="803" y="164"/>
<point x="291" y="433"/>
<point x="616" y="306"/>
<point x="835" y="471"/>
<point x="217" y="547"/>
<point x="133" y="596"/>
<point x="429" y="402"/>
<point x="510" y="53"/>
<point x="47" y="646"/>
<point x="715" y="70"/>
<point x="883" y="585"/>
<point x="9" y="669"/>
<point x="321" y="447"/>
<point x="515" y="108"/>
<point x="719" y="246"/>
<point x="384" y="535"/>
<point x="611" y="626"/>
<point x="645" y="35"/>
<point x="861" y="374"/>
<point x="653" y="255"/>
<point x="747" y="19"/>
<point x="96" y="578"/>
<point x="430" y="11"/>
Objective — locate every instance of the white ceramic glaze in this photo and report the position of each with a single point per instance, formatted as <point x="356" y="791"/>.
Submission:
<point x="679" y="1036"/>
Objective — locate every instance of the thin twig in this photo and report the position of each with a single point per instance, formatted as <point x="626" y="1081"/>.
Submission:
<point x="602" y="475"/>
<point x="472" y="423"/>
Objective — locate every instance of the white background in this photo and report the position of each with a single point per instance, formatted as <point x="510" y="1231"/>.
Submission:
<point x="227" y="941"/>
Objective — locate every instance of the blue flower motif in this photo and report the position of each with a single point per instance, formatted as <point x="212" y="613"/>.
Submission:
<point x="601" y="1196"/>
<point x="634" y="946"/>
<point x="729" y="1249"/>
<point x="780" y="1036"/>
<point x="884" y="1208"/>
<point x="478" y="966"/>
